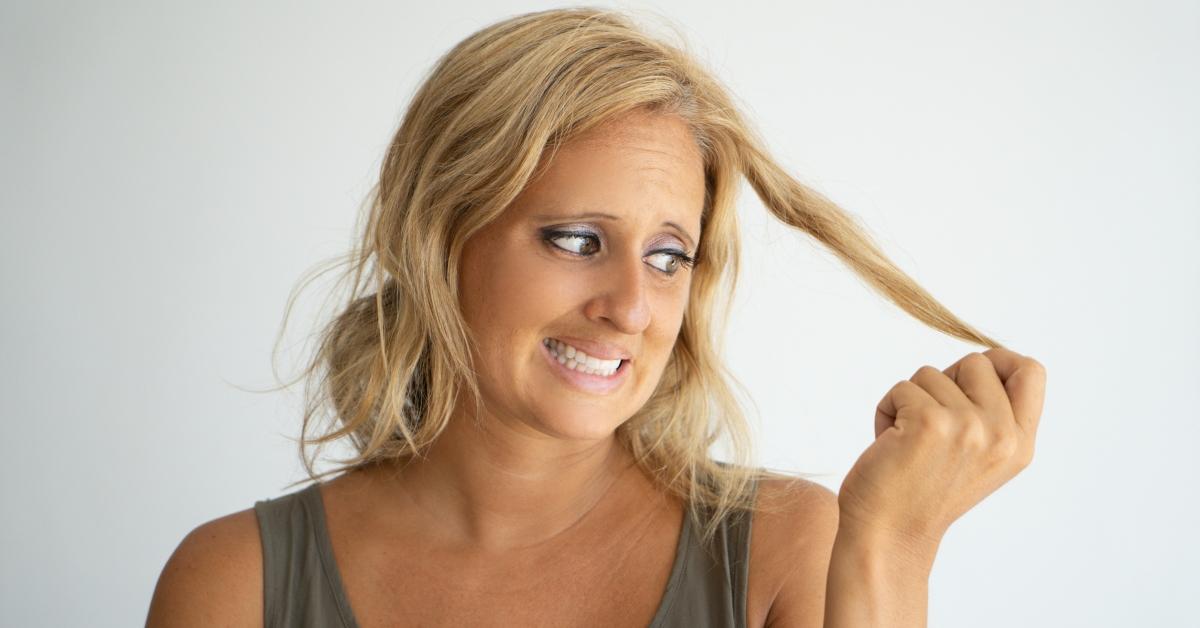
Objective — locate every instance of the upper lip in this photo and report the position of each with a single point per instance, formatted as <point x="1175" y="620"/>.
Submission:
<point x="597" y="349"/>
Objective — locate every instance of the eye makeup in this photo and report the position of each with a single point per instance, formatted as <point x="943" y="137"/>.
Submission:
<point x="590" y="242"/>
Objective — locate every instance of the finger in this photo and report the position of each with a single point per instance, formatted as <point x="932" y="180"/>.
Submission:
<point x="976" y="376"/>
<point x="898" y="404"/>
<point x="941" y="387"/>
<point x="1025" y="384"/>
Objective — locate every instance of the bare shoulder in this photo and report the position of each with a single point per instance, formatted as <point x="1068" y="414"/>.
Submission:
<point x="214" y="576"/>
<point x="790" y="544"/>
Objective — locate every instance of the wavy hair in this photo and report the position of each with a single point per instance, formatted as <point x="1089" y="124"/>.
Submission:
<point x="394" y="360"/>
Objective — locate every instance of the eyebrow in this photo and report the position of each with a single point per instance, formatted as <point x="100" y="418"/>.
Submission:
<point x="666" y="223"/>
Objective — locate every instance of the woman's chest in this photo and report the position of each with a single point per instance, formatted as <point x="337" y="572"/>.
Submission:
<point x="614" y="579"/>
<point x="399" y="596"/>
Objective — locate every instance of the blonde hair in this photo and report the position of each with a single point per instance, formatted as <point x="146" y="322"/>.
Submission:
<point x="395" y="359"/>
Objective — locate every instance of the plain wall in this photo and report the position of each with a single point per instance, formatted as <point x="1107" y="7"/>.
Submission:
<point x="171" y="169"/>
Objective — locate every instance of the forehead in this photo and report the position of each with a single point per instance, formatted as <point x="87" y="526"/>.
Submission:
<point x="640" y="128"/>
<point x="638" y="164"/>
<point x="641" y="141"/>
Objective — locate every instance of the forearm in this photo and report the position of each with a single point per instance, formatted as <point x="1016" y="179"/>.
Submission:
<point x="876" y="580"/>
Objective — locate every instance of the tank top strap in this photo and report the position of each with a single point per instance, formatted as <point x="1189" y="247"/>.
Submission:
<point x="711" y="589"/>
<point x="301" y="584"/>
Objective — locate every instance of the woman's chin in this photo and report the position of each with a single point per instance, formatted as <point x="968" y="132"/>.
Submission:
<point x="582" y="427"/>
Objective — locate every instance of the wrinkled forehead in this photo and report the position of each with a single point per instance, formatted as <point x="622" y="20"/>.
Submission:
<point x="644" y="163"/>
<point x="637" y="130"/>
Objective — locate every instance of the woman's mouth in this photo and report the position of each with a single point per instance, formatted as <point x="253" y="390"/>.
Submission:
<point x="583" y="371"/>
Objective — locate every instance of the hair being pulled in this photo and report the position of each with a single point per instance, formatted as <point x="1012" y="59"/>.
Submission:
<point x="394" y="361"/>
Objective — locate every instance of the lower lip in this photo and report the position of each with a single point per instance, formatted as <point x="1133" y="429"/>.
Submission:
<point x="586" y="381"/>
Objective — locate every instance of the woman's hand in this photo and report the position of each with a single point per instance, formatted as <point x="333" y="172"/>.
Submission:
<point x="944" y="440"/>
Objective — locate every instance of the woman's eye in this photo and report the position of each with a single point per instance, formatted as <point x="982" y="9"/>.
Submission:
<point x="578" y="243"/>
<point x="673" y="261"/>
<point x="584" y="244"/>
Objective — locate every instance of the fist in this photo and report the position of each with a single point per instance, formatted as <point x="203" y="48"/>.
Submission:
<point x="944" y="440"/>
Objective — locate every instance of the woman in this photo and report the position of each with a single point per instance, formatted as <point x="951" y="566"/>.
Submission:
<point x="530" y="380"/>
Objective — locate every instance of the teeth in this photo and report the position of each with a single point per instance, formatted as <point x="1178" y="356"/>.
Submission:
<point x="577" y="360"/>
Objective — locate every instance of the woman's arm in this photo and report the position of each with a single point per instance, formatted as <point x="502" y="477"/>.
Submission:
<point x="214" y="577"/>
<point x="876" y="580"/>
<point x="832" y="572"/>
<point x="944" y="440"/>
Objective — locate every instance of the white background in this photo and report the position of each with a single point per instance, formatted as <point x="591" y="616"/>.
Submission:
<point x="170" y="169"/>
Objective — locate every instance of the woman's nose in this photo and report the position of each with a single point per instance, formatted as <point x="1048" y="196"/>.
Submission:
<point x="620" y="295"/>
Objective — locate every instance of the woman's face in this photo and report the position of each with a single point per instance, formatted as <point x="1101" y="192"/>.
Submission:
<point x="591" y="255"/>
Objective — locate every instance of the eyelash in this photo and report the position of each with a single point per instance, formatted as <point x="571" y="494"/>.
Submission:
<point x="685" y="260"/>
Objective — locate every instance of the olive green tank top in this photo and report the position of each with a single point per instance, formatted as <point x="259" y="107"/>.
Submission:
<point x="303" y="587"/>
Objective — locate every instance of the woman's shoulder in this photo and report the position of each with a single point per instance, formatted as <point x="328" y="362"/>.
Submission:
<point x="214" y="576"/>
<point x="779" y="491"/>
<point x="795" y="523"/>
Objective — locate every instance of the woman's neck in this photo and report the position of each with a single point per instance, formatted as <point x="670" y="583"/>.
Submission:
<point x="498" y="488"/>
